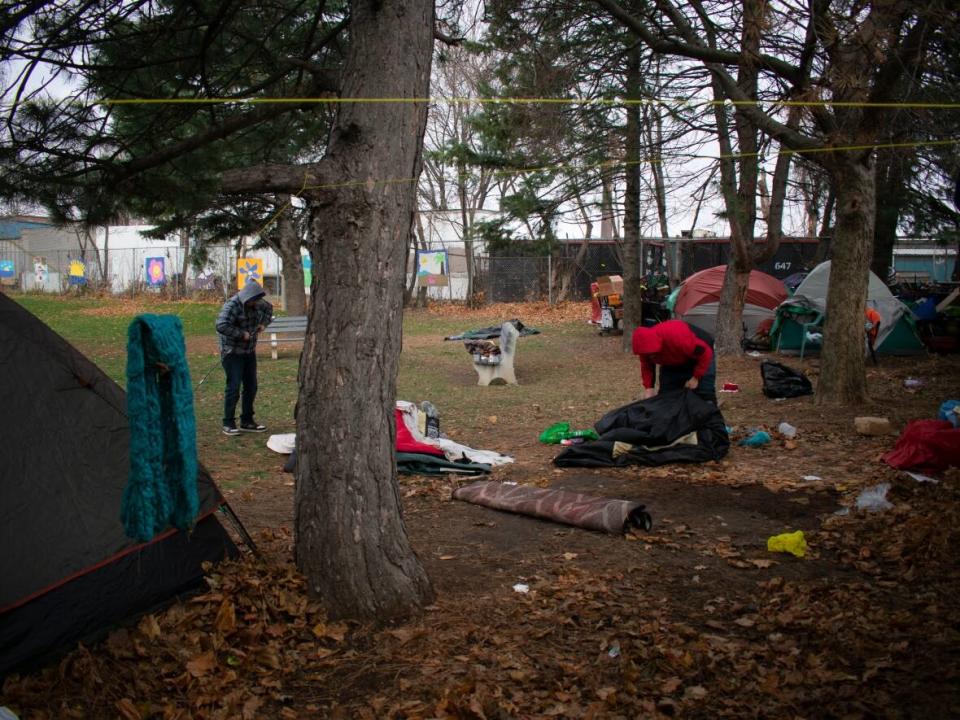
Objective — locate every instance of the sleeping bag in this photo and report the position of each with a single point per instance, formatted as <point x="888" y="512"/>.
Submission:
<point x="677" y="426"/>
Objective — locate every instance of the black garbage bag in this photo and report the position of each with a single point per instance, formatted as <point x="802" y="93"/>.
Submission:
<point x="780" y="381"/>
<point x="676" y="426"/>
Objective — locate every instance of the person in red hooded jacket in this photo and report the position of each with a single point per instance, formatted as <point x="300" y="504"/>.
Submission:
<point x="685" y="355"/>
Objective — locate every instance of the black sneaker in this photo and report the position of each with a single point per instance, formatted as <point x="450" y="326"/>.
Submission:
<point x="252" y="427"/>
<point x="230" y="430"/>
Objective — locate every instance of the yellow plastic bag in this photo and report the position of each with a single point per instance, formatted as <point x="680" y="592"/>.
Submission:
<point x="793" y="543"/>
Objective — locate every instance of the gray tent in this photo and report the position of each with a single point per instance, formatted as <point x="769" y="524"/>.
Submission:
<point x="897" y="334"/>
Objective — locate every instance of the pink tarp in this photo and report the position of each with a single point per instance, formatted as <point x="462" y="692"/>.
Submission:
<point x="563" y="506"/>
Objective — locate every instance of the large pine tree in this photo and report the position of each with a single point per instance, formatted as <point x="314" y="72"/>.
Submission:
<point x="358" y="182"/>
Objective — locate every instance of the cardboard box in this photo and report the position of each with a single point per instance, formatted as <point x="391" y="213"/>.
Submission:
<point x="610" y="285"/>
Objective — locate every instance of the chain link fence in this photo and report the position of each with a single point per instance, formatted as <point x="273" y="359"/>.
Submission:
<point x="127" y="271"/>
<point x="565" y="275"/>
<point x="498" y="277"/>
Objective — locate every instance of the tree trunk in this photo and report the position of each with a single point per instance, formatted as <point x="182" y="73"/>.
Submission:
<point x="654" y="129"/>
<point x="467" y="238"/>
<point x="842" y="374"/>
<point x="825" y="236"/>
<point x="100" y="261"/>
<point x="733" y="296"/>
<point x="185" y="260"/>
<point x="288" y="248"/>
<point x="564" y="268"/>
<point x="608" y="226"/>
<point x="417" y="240"/>
<point x="739" y="188"/>
<point x="351" y="540"/>
<point x="632" y="281"/>
<point x="105" y="278"/>
<point x="892" y="170"/>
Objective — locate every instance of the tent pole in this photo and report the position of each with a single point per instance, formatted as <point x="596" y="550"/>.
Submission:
<point x="238" y="526"/>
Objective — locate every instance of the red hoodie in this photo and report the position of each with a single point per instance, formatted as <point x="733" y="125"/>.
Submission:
<point x="679" y="346"/>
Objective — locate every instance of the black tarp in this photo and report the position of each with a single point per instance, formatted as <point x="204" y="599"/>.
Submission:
<point x="493" y="332"/>
<point x="670" y="427"/>
<point x="781" y="381"/>
<point x="65" y="436"/>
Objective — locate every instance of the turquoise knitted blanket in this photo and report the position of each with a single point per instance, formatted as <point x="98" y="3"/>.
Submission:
<point x="162" y="484"/>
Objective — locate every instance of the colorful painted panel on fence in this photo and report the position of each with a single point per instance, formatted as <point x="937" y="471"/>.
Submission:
<point x="8" y="270"/>
<point x="249" y="269"/>
<point x="307" y="271"/>
<point x="40" y="271"/>
<point x="156" y="272"/>
<point x="432" y="268"/>
<point x="77" y="273"/>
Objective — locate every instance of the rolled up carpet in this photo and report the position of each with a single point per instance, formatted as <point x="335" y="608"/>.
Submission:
<point x="563" y="506"/>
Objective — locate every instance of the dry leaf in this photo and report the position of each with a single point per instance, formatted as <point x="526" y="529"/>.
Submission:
<point x="128" y="710"/>
<point x="696" y="692"/>
<point x="406" y="634"/>
<point x="744" y="622"/>
<point x="335" y="631"/>
<point x="670" y="686"/>
<point x="250" y="708"/>
<point x="267" y="657"/>
<point x="226" y="621"/>
<point x="761" y="563"/>
<point x="202" y="664"/>
<point x="150" y="627"/>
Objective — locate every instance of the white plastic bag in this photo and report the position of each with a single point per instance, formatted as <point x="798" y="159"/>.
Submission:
<point x="874" y="499"/>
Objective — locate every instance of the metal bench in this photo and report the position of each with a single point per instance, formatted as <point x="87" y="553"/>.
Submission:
<point x="286" y="329"/>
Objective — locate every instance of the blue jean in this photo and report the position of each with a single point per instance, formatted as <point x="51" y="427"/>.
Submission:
<point x="240" y="370"/>
<point x="674" y="377"/>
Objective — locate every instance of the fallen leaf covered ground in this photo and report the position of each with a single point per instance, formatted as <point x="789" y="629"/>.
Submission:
<point x="694" y="619"/>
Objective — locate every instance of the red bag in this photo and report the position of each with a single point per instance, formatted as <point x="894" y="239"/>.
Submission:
<point x="406" y="443"/>
<point x="927" y="446"/>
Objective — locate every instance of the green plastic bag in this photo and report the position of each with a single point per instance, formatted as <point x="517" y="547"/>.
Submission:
<point x="555" y="433"/>
<point x="561" y="431"/>
<point x="590" y="434"/>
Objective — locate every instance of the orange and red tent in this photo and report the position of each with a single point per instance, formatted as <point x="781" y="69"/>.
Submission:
<point x="699" y="298"/>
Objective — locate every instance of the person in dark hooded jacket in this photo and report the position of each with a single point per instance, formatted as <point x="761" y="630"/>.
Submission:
<point x="241" y="319"/>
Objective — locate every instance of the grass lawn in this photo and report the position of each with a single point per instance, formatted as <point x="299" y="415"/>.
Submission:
<point x="429" y="369"/>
